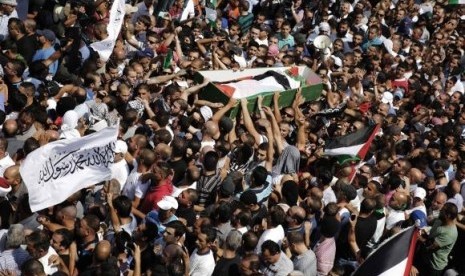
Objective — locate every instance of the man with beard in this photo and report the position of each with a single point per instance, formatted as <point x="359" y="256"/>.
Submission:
<point x="342" y="32"/>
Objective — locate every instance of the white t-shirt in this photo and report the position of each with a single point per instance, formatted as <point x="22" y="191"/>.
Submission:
<point x="201" y="265"/>
<point x="5" y="162"/>
<point x="48" y="269"/>
<point x="275" y="234"/>
<point x="129" y="189"/>
<point x="120" y="171"/>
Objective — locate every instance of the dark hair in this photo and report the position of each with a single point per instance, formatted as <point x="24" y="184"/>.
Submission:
<point x="210" y="160"/>
<point x="271" y="246"/>
<point x="179" y="228"/>
<point x="259" y="175"/>
<point x="162" y="119"/>
<point x="277" y="216"/>
<point x="39" y="240"/>
<point x="249" y="241"/>
<point x="30" y="145"/>
<point x="450" y="210"/>
<point x="223" y="212"/>
<point x="179" y="147"/>
<point x="162" y="136"/>
<point x="209" y="232"/>
<point x="66" y="235"/>
<point x="248" y="197"/>
<point x="32" y="267"/>
<point x="295" y="237"/>
<point x="367" y="206"/>
<point x="92" y="221"/>
<point x="123" y="206"/>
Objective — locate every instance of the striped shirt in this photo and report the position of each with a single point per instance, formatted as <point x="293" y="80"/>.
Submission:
<point x="13" y="259"/>
<point x="245" y="21"/>
<point x="206" y="186"/>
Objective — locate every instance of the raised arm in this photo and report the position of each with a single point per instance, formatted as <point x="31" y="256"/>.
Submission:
<point x="194" y="89"/>
<point x="277" y="113"/>
<point x="260" y="106"/>
<point x="248" y="121"/>
<point x="222" y="111"/>
<point x="275" y="130"/>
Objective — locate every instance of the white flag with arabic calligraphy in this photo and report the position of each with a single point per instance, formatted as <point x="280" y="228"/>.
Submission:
<point x="56" y="170"/>
<point x="105" y="47"/>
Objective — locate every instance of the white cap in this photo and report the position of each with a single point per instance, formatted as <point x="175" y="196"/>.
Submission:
<point x="387" y="97"/>
<point x="420" y="193"/>
<point x="206" y="112"/>
<point x="168" y="203"/>
<point x="121" y="147"/>
<point x="324" y="27"/>
<point x="99" y="125"/>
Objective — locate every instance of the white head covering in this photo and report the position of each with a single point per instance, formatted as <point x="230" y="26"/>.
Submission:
<point x="68" y="127"/>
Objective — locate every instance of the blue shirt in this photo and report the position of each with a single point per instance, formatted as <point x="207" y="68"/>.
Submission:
<point x="285" y="41"/>
<point x="43" y="54"/>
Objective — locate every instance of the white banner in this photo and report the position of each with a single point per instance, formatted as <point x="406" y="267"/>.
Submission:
<point x="56" y="170"/>
<point x="105" y="47"/>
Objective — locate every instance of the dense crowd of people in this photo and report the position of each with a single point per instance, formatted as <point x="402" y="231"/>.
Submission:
<point x="195" y="191"/>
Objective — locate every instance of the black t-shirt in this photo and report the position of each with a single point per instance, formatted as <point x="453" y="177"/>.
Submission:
<point x="225" y="267"/>
<point x="179" y="167"/>
<point x="27" y="46"/>
<point x="364" y="231"/>
<point x="188" y="214"/>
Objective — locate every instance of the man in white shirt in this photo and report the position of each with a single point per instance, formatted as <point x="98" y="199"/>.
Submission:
<point x="119" y="169"/>
<point x="275" y="232"/>
<point x="202" y="261"/>
<point x="133" y="186"/>
<point x="38" y="246"/>
<point x="8" y="8"/>
<point x="5" y="159"/>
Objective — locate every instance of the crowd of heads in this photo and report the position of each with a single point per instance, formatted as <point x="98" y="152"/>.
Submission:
<point x="197" y="191"/>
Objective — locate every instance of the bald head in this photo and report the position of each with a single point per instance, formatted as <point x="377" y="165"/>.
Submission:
<point x="102" y="251"/>
<point x="12" y="175"/>
<point x="69" y="212"/>
<point x="52" y="135"/>
<point x="416" y="176"/>
<point x="316" y="193"/>
<point x="297" y="211"/>
<point x="10" y="127"/>
<point x="163" y="151"/>
<point x="172" y="252"/>
<point x="212" y="129"/>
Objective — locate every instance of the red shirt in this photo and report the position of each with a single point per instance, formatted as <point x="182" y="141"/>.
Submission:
<point x="155" y="194"/>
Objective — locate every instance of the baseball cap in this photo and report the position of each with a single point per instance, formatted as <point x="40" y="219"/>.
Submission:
<point x="420" y="193"/>
<point x="387" y="97"/>
<point x="48" y="34"/>
<point x="419" y="218"/>
<point x="121" y="147"/>
<point x="168" y="203"/>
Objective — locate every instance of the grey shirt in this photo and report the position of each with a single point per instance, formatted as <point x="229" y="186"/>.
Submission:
<point x="305" y="263"/>
<point x="282" y="267"/>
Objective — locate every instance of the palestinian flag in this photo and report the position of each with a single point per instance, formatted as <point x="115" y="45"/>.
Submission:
<point x="354" y="145"/>
<point x="456" y="2"/>
<point x="393" y="257"/>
